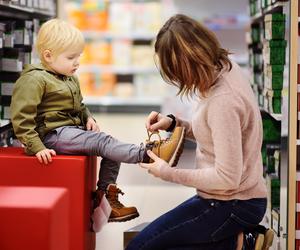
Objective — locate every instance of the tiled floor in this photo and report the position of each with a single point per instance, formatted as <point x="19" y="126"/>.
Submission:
<point x="150" y="195"/>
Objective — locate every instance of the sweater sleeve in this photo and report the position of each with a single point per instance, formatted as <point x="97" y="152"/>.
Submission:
<point x="188" y="128"/>
<point x="27" y="95"/>
<point x="224" y="118"/>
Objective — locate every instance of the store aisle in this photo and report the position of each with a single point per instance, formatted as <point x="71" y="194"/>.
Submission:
<point x="150" y="195"/>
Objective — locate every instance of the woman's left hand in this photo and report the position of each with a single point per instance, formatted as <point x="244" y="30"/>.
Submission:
<point x="154" y="167"/>
<point x="92" y="125"/>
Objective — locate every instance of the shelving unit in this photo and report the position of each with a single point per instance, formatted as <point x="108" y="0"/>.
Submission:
<point x="283" y="219"/>
<point x="117" y="70"/>
<point x="19" y="23"/>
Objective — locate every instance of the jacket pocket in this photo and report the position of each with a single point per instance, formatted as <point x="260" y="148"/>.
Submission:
<point x="233" y="224"/>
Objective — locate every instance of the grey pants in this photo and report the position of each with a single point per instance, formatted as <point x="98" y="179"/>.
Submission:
<point x="77" y="141"/>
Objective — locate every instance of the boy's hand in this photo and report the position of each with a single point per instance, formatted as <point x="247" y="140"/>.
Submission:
<point x="92" y="125"/>
<point x="45" y="155"/>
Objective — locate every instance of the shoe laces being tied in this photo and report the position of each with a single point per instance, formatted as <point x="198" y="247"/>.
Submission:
<point x="155" y="144"/>
<point x="112" y="197"/>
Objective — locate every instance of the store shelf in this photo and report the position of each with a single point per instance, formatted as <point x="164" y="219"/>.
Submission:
<point x="23" y="12"/>
<point x="94" y="68"/>
<point x="107" y="104"/>
<point x="96" y="35"/>
<point x="270" y="9"/>
<point x="117" y="101"/>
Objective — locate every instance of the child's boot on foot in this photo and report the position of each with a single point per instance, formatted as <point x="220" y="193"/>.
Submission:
<point x="169" y="149"/>
<point x="119" y="212"/>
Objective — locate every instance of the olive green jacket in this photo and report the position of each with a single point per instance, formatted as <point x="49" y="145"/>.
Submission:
<point x="43" y="101"/>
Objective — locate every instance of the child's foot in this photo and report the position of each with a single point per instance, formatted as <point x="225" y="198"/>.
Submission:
<point x="169" y="149"/>
<point x="119" y="212"/>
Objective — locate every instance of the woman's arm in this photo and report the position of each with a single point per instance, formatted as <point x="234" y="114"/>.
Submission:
<point x="224" y="120"/>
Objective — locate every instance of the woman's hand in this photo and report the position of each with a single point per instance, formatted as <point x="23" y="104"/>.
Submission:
<point x="155" y="167"/>
<point x="92" y="125"/>
<point x="156" y="121"/>
<point x="45" y="155"/>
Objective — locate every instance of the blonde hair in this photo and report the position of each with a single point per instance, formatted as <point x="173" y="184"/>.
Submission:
<point x="57" y="35"/>
<point x="190" y="56"/>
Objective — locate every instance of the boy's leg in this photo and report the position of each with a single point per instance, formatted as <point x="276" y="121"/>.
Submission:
<point x="108" y="174"/>
<point x="74" y="140"/>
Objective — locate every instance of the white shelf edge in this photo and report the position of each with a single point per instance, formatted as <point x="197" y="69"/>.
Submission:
<point x="130" y="101"/>
<point x="298" y="142"/>
<point x="114" y="35"/>
<point x="27" y="9"/>
<point x="268" y="10"/>
<point x="94" y="68"/>
<point x="298" y="87"/>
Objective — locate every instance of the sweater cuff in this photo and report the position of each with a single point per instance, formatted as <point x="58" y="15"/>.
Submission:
<point x="166" y="173"/>
<point x="34" y="146"/>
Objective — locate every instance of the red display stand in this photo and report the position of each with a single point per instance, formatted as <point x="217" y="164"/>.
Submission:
<point x="34" y="218"/>
<point x="75" y="173"/>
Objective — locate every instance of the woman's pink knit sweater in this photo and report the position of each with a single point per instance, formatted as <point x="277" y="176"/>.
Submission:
<point x="227" y="127"/>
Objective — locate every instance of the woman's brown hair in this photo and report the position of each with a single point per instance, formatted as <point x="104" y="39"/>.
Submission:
<point x="190" y="55"/>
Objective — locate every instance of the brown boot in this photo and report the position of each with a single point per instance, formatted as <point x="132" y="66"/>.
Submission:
<point x="169" y="149"/>
<point x="119" y="212"/>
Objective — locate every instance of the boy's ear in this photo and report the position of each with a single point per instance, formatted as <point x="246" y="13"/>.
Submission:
<point x="47" y="56"/>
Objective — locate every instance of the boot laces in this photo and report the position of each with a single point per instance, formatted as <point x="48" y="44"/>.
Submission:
<point x="113" y="198"/>
<point x="156" y="143"/>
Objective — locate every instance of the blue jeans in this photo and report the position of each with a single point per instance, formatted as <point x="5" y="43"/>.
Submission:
<point x="199" y="224"/>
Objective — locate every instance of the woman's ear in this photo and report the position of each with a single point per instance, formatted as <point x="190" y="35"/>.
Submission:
<point x="47" y="56"/>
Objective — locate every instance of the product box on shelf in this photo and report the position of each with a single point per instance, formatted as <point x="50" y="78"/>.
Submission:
<point x="273" y="76"/>
<point x="5" y="112"/>
<point x="274" y="99"/>
<point x="274" y="52"/>
<point x="272" y="159"/>
<point x="272" y="130"/>
<point x="23" y="32"/>
<point x="9" y="38"/>
<point x="276" y="220"/>
<point x="273" y="183"/>
<point x="274" y="26"/>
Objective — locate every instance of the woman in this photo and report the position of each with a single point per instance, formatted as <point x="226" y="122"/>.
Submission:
<point x="227" y="127"/>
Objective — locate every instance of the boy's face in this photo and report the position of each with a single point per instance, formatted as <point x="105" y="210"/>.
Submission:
<point x="65" y="63"/>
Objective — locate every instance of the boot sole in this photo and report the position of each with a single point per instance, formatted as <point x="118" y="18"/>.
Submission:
<point x="269" y="236"/>
<point x="124" y="218"/>
<point x="179" y="149"/>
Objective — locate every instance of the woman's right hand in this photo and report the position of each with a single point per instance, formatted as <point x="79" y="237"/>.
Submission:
<point x="156" y="121"/>
<point x="45" y="155"/>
